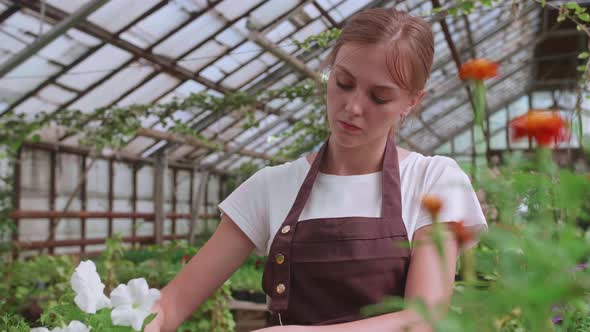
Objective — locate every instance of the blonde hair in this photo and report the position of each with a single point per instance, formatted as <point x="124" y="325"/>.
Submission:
<point x="410" y="41"/>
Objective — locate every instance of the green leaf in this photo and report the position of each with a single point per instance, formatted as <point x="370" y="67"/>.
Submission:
<point x="581" y="68"/>
<point x="572" y="5"/>
<point x="584" y="55"/>
<point x="467" y="6"/>
<point x="479" y="102"/>
<point x="584" y="17"/>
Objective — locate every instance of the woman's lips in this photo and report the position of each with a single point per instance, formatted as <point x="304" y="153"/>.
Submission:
<point x="349" y="127"/>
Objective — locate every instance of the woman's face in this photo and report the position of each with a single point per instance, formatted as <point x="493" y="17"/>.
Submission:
<point x="364" y="101"/>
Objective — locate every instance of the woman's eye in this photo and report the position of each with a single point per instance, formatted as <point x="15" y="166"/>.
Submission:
<point x="344" y="86"/>
<point x="378" y="100"/>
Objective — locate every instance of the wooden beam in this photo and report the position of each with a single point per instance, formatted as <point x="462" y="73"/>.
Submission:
<point x="119" y="155"/>
<point x="272" y="48"/>
<point x="32" y="245"/>
<point x="203" y="179"/>
<point x="67" y="22"/>
<point x="16" y="197"/>
<point x="147" y="216"/>
<point x="189" y="140"/>
<point x="159" y="196"/>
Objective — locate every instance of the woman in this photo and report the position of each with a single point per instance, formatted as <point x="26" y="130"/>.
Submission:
<point x="332" y="223"/>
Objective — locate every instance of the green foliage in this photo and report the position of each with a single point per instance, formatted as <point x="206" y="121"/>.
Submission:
<point x="463" y="7"/>
<point x="35" y="283"/>
<point x="526" y="262"/>
<point x="44" y="282"/>
<point x="249" y="275"/>
<point x="322" y="40"/>
<point x="13" y="323"/>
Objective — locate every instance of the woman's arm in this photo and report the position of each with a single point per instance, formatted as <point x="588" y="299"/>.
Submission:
<point x="428" y="279"/>
<point x="213" y="264"/>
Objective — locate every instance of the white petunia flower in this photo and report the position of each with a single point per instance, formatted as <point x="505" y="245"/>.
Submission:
<point x="89" y="289"/>
<point x="132" y="303"/>
<point x="74" y="326"/>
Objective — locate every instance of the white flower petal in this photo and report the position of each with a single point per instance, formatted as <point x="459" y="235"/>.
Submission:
<point x="121" y="296"/>
<point x="138" y="288"/>
<point x="149" y="299"/>
<point x="77" y="326"/>
<point x="88" y="287"/>
<point x="125" y="315"/>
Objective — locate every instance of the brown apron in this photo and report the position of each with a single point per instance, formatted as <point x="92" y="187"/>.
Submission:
<point x="323" y="271"/>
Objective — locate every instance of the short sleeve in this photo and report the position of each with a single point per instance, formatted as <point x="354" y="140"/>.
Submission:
<point x="248" y="206"/>
<point x="460" y="202"/>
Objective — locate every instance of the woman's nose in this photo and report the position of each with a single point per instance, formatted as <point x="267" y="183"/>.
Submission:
<point x="354" y="104"/>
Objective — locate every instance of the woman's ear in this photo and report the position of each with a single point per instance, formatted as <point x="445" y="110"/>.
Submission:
<point x="416" y="99"/>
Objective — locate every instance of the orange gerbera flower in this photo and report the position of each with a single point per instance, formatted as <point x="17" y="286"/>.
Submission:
<point x="432" y="204"/>
<point x="544" y="126"/>
<point x="462" y="235"/>
<point x="478" y="69"/>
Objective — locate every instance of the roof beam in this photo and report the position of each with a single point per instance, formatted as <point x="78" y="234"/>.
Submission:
<point x="291" y="60"/>
<point x="7" y="13"/>
<point x="189" y="140"/>
<point x="64" y="24"/>
<point x="89" y="52"/>
<point x="161" y="62"/>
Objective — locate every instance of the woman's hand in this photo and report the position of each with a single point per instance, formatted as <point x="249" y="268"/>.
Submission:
<point x="286" y="328"/>
<point x="156" y="324"/>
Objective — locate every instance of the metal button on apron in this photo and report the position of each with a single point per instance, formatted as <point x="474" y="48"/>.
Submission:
<point x="281" y="288"/>
<point x="286" y="229"/>
<point x="279" y="258"/>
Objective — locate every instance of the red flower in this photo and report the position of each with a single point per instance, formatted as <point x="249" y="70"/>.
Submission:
<point x="432" y="204"/>
<point x="478" y="69"/>
<point x="185" y="259"/>
<point x="544" y="126"/>
<point x="462" y="235"/>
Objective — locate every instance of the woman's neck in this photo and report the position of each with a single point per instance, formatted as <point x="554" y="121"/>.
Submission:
<point x="355" y="161"/>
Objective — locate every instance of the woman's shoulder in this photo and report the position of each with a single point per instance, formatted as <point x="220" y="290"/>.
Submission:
<point x="282" y="171"/>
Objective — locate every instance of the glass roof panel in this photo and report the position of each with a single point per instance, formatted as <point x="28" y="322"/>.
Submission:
<point x="346" y="9"/>
<point x="191" y="35"/>
<point x="17" y="31"/>
<point x="96" y="66"/>
<point x="202" y="56"/>
<point x="112" y="88"/>
<point x="312" y="28"/>
<point x="151" y="90"/>
<point x="233" y="9"/>
<point x="246" y="73"/>
<point x="33" y="106"/>
<point x="270" y="11"/>
<point x="24" y="78"/>
<point x="116" y="14"/>
<point x="155" y="26"/>
<point x="281" y="31"/>
<point x="246" y="52"/>
<point x="230" y="36"/>
<point x="54" y="94"/>
<point x="67" y="6"/>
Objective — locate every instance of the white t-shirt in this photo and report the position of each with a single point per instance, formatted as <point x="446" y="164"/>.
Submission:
<point x="260" y="204"/>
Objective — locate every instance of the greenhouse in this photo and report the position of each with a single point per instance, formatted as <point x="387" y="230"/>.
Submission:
<point x="158" y="161"/>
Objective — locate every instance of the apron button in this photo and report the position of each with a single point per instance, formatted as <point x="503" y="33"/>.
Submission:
<point x="279" y="258"/>
<point x="281" y="288"/>
<point x="286" y="229"/>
